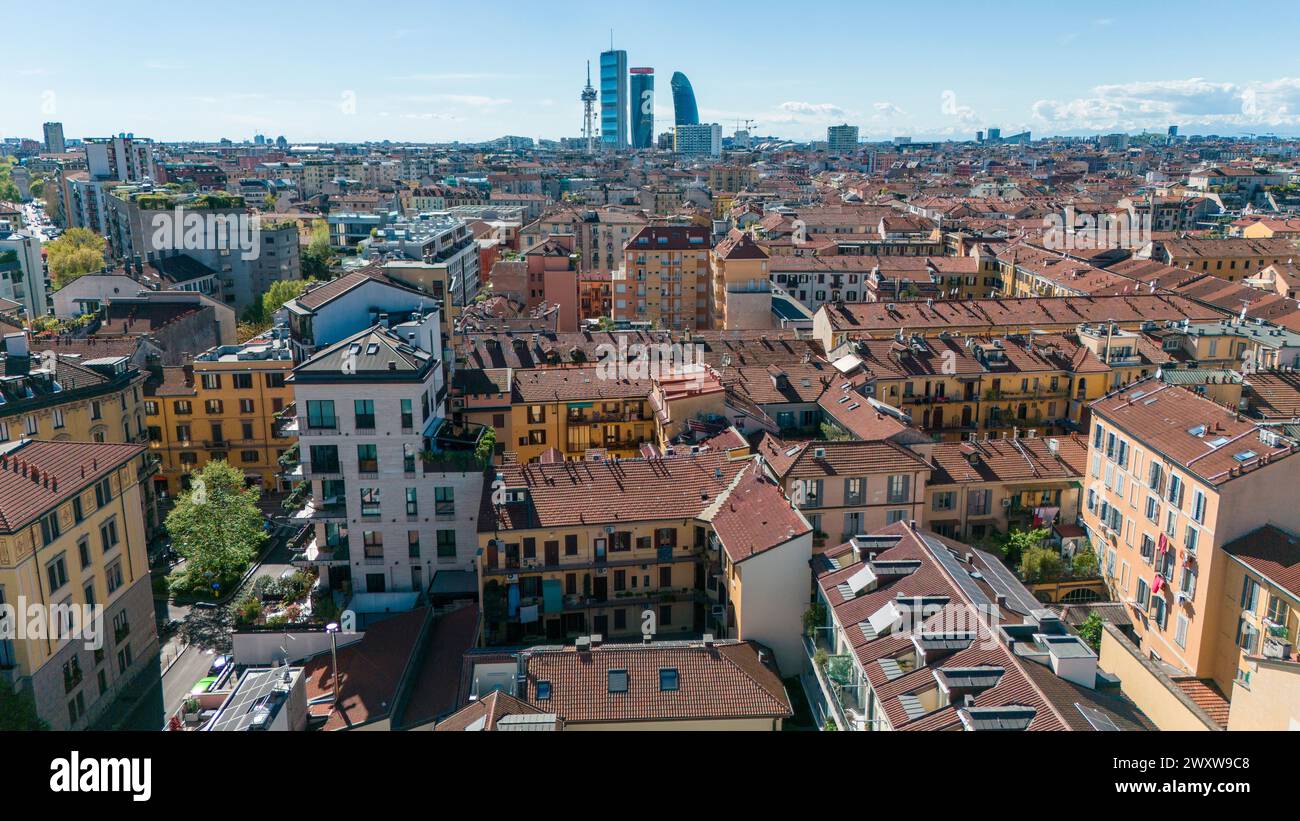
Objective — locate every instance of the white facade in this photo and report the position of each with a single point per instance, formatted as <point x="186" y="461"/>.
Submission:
<point x="705" y="138"/>
<point x="26" y="282"/>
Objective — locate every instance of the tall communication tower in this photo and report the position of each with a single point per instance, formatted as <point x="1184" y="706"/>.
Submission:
<point x="589" y="113"/>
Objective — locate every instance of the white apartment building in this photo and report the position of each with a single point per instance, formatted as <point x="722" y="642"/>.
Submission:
<point x="392" y="501"/>
<point x="22" y="272"/>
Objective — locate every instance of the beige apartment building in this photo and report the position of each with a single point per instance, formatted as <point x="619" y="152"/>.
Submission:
<point x="1173" y="478"/>
<point x="664" y="280"/>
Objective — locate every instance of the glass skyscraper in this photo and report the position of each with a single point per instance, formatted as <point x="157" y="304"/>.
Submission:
<point x="684" y="110"/>
<point x="643" y="107"/>
<point x="613" y="99"/>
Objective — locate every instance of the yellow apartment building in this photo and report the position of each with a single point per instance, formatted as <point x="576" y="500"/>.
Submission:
<point x="223" y="406"/>
<point x="577" y="410"/>
<point x="72" y="538"/>
<point x="978" y="488"/>
<point x="614" y="548"/>
<point x="1260" y="612"/>
<point x="849" y="487"/>
<point x="741" y="293"/>
<point x="1172" y="479"/>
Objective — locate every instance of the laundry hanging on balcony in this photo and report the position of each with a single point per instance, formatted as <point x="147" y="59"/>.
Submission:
<point x="1158" y="584"/>
<point x="1044" y="516"/>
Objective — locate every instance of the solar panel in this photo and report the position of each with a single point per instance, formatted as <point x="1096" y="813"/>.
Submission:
<point x="1099" y="720"/>
<point x="944" y="556"/>
<point x="891" y="668"/>
<point x="911" y="705"/>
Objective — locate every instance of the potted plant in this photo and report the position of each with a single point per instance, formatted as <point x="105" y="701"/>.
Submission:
<point x="190" y="710"/>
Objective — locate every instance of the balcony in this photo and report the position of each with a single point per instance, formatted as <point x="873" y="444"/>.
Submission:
<point x="837" y="677"/>
<point x="311" y="513"/>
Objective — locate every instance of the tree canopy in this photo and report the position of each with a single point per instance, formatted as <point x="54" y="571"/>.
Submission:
<point x="216" y="526"/>
<point x="78" y="252"/>
<point x="18" y="710"/>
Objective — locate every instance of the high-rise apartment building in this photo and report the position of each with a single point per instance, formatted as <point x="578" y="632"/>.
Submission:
<point x="704" y="139"/>
<point x="54" y="142"/>
<point x="613" y="99"/>
<point x="842" y="139"/>
<point x="123" y="157"/>
<point x="643" y="107"/>
<point x="665" y="278"/>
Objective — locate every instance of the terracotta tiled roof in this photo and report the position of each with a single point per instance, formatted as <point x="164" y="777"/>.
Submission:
<point x="1272" y="553"/>
<point x="1044" y="313"/>
<point x="1206" y="695"/>
<point x="37" y="476"/>
<point x="725" y="681"/>
<point x="1201" y="437"/>
<point x="849" y="459"/>
<point x="627" y="490"/>
<point x="575" y="384"/>
<point x="486" y="712"/>
<point x="756" y="517"/>
<point x="1274" y="395"/>
<point x="1005" y="460"/>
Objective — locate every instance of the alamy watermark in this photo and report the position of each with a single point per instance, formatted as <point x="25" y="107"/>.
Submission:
<point x="1073" y="231"/>
<point x="24" y="621"/>
<point x="656" y="361"/>
<point x="184" y="229"/>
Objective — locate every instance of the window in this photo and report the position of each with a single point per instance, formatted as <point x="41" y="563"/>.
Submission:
<point x="1190" y="539"/>
<point x="854" y="491"/>
<point x="536" y="414"/>
<point x="1249" y="594"/>
<point x="370" y="501"/>
<point x="444" y="501"/>
<point x="364" y="411"/>
<point x="1198" y="506"/>
<point x="978" y="501"/>
<point x="413" y="544"/>
<point x="446" y="544"/>
<point x="809" y="492"/>
<point x="543" y="691"/>
<point x="945" y="500"/>
<point x="50" y="528"/>
<point x="248" y="457"/>
<point x="83" y="550"/>
<point x="668" y="679"/>
<point x="243" y="381"/>
<point x="368" y="458"/>
<point x="57" y="415"/>
<point x="617" y="681"/>
<point x="57" y="573"/>
<point x="1175" y="496"/>
<point x="103" y="492"/>
<point x="213" y="407"/>
<point x="211" y="381"/>
<point x="665" y="615"/>
<point x="408" y="414"/>
<point x="570" y="545"/>
<point x="1247" y="635"/>
<point x="108" y="534"/>
<point x="1148" y="548"/>
<point x="412" y="502"/>
<point x="320" y="414"/>
<point x="324" y="458"/>
<point x="246" y="407"/>
<point x="1143" y="596"/>
<point x="1180" y="631"/>
<point x="1278" y="610"/>
<point x="274" y="380"/>
<point x="899" y="489"/>
<point x="408" y="458"/>
<point x="1159" y="611"/>
<point x="113" y="577"/>
<point x="373" y="542"/>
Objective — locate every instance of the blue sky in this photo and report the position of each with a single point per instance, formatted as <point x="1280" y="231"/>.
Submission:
<point x="436" y="71"/>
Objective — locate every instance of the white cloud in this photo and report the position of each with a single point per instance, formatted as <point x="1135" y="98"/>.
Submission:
<point x="963" y="114"/>
<point x="796" y="111"/>
<point x="887" y="108"/>
<point x="1194" y="101"/>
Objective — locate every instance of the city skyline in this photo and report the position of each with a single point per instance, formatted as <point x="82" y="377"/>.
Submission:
<point x="528" y="86"/>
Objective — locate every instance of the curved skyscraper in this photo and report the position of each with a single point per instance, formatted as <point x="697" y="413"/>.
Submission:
<point x="684" y="110"/>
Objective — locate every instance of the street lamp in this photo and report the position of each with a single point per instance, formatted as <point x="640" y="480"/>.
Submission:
<point x="333" y="629"/>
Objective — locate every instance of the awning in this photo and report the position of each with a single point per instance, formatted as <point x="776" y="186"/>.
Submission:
<point x="552" y="596"/>
<point x="512" y="600"/>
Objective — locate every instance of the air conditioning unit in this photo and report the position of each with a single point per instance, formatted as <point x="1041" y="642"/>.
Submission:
<point x="512" y="578"/>
<point x="1006" y="503"/>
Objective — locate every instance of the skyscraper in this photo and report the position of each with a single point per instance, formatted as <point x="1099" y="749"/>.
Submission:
<point x="54" y="138"/>
<point x="613" y="99"/>
<point x="842" y="138"/>
<point x="684" y="110"/>
<point x="643" y="107"/>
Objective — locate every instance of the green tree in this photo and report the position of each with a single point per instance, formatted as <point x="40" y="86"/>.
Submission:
<point x="1084" y="564"/>
<point x="487" y="447"/>
<point x="18" y="710"/>
<point x="316" y="255"/>
<point x="216" y="526"/>
<point x="1018" y="542"/>
<point x="1090" y="631"/>
<point x="78" y="252"/>
<point x="1040" y="564"/>
<point x="280" y="292"/>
